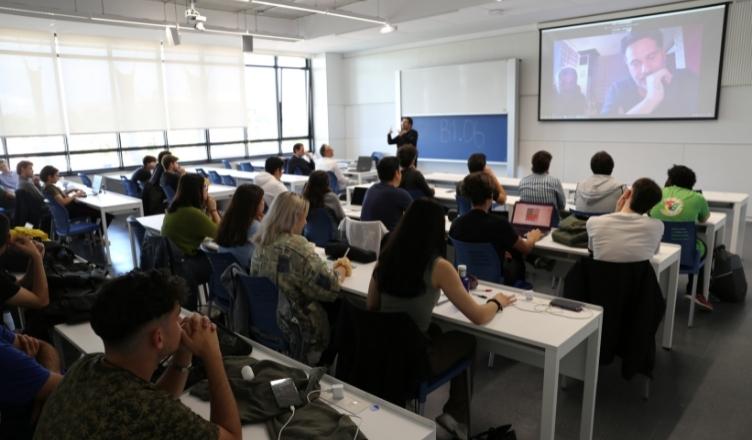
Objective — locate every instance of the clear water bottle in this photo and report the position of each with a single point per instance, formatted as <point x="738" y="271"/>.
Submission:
<point x="462" y="270"/>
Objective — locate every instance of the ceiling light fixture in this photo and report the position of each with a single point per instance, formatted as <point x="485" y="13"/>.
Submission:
<point x="388" y="29"/>
<point x="314" y="10"/>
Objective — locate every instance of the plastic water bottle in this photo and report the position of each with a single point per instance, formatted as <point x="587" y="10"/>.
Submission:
<point x="462" y="270"/>
<point x="529" y="295"/>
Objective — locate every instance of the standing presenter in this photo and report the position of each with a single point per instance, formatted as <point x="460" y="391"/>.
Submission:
<point x="406" y="135"/>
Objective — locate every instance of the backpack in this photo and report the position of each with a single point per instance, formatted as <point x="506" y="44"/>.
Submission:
<point x="727" y="279"/>
<point x="571" y="232"/>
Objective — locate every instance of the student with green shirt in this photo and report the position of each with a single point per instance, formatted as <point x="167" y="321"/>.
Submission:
<point x="191" y="217"/>
<point x="682" y="204"/>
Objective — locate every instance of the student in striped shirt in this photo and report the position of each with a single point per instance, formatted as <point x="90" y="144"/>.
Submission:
<point x="540" y="187"/>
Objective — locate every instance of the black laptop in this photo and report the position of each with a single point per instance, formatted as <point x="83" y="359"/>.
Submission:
<point x="528" y="216"/>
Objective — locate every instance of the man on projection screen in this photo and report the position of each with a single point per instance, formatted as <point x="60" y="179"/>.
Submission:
<point x="652" y="88"/>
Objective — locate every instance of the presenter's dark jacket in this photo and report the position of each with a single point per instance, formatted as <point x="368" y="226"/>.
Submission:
<point x="411" y="138"/>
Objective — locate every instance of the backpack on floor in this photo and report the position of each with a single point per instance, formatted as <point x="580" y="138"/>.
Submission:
<point x="504" y="432"/>
<point x="727" y="279"/>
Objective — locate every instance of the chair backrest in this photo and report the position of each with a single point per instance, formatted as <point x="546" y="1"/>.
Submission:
<point x="481" y="260"/>
<point x="365" y="235"/>
<point x="382" y="353"/>
<point x="685" y="235"/>
<point x="138" y="230"/>
<point x="30" y="209"/>
<point x="319" y="226"/>
<point x="84" y="179"/>
<point x="377" y="156"/>
<point x="219" y="261"/>
<point x="169" y="193"/>
<point x="129" y="186"/>
<point x="215" y="177"/>
<point x="227" y="164"/>
<point x="245" y="166"/>
<point x="463" y="204"/>
<point x="202" y="173"/>
<point x="229" y="181"/>
<point x="60" y="217"/>
<point x="262" y="296"/>
<point x="333" y="183"/>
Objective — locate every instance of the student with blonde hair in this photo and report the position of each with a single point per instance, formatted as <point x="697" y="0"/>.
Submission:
<point x="304" y="280"/>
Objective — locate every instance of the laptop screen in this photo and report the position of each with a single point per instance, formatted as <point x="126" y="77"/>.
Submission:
<point x="96" y="184"/>
<point x="530" y="214"/>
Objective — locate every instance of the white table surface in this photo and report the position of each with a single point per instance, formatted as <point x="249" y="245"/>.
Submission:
<point x="295" y="182"/>
<point x="559" y="344"/>
<point x="379" y="419"/>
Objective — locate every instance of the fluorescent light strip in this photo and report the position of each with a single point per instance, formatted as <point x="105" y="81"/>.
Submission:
<point x="333" y="13"/>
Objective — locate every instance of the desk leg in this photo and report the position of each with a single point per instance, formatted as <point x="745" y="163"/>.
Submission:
<point x="550" y="392"/>
<point x="105" y="237"/>
<point x="133" y="246"/>
<point x="671" y="294"/>
<point x="710" y="245"/>
<point x="736" y="236"/>
<point x="591" y="383"/>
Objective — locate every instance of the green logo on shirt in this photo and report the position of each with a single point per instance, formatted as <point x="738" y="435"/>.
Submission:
<point x="672" y="207"/>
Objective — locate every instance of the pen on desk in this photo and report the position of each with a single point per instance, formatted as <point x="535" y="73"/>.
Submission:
<point x="346" y="252"/>
<point x="478" y="295"/>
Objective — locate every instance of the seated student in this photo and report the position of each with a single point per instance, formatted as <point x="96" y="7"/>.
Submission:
<point x="412" y="179"/>
<point x="304" y="279"/>
<point x="270" y="180"/>
<point x="386" y="201"/>
<point x="111" y="395"/>
<point x="328" y="163"/>
<point x="156" y="176"/>
<point x="30" y="367"/>
<point x="8" y="185"/>
<point x="240" y="223"/>
<point x="319" y="195"/>
<point x="680" y="203"/>
<point x="300" y="160"/>
<point x="409" y="277"/>
<point x="192" y="217"/>
<point x="143" y="173"/>
<point x="50" y="176"/>
<point x="540" y="187"/>
<point x="172" y="172"/>
<point x="476" y="163"/>
<point x="599" y="193"/>
<point x="627" y="235"/>
<point x="478" y="226"/>
<point x="26" y="181"/>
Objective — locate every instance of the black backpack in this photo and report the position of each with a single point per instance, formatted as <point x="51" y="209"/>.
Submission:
<point x="727" y="279"/>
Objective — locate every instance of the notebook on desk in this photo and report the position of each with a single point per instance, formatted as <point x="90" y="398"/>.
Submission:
<point x="528" y="216"/>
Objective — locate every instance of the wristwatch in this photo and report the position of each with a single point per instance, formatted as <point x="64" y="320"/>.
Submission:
<point x="498" y="304"/>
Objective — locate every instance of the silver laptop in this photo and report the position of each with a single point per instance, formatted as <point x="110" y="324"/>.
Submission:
<point x="96" y="184"/>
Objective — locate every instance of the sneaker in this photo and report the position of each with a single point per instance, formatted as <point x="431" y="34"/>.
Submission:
<point x="457" y="429"/>
<point x="704" y="304"/>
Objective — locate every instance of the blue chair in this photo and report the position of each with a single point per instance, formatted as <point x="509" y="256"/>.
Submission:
<point x="377" y="156"/>
<point x="262" y="296"/>
<point x="229" y="181"/>
<point x="84" y="179"/>
<point x="169" y="193"/>
<point x="130" y="187"/>
<point x="138" y="231"/>
<point x="215" y="178"/>
<point x="481" y="260"/>
<point x="202" y="173"/>
<point x="690" y="262"/>
<point x="333" y="183"/>
<point x="245" y="166"/>
<point x="218" y="295"/>
<point x="319" y="227"/>
<point x="463" y="204"/>
<point x="227" y="164"/>
<point x="66" y="228"/>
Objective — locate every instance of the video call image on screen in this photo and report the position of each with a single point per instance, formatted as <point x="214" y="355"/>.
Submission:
<point x="662" y="66"/>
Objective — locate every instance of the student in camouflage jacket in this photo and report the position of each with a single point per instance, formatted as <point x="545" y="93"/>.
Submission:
<point x="303" y="279"/>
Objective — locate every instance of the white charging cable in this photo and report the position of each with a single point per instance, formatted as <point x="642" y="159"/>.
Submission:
<point x="279" y="434"/>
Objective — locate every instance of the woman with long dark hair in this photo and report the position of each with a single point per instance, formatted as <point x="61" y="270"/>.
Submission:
<point x="192" y="217"/>
<point x="240" y="222"/>
<point x="319" y="195"/>
<point x="409" y="276"/>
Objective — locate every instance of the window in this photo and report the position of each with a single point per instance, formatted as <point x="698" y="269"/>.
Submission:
<point x="189" y="154"/>
<point x="287" y="145"/>
<point x="134" y="158"/>
<point x="98" y="161"/>
<point x="261" y="90"/>
<point x="83" y="142"/>
<point x="225" y="151"/>
<point x="142" y="139"/>
<point x="35" y="144"/>
<point x="263" y="148"/>
<point x="58" y="162"/>
<point x="294" y="103"/>
<point x="292" y="62"/>
<point x="186" y="137"/>
<point x="217" y="135"/>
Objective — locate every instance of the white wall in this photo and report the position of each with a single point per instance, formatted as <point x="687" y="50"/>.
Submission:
<point x="719" y="151"/>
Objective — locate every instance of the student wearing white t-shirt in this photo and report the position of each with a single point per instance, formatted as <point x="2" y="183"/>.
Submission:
<point x="628" y="235"/>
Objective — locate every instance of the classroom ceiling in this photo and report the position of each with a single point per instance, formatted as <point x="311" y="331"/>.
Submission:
<point x="416" y="20"/>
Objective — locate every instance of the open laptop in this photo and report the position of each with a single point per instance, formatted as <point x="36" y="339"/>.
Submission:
<point x="528" y="216"/>
<point x="364" y="163"/>
<point x="96" y="184"/>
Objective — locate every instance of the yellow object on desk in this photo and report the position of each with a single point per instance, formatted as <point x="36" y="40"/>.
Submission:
<point x="29" y="232"/>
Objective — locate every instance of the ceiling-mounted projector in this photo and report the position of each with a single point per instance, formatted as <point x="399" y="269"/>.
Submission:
<point x="195" y="18"/>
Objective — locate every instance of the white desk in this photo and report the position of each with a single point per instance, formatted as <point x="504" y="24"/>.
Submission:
<point x="735" y="206"/>
<point x="711" y="232"/>
<point x="360" y="176"/>
<point x="559" y="345"/>
<point x="665" y="263"/>
<point x="295" y="182"/>
<point x="379" y="419"/>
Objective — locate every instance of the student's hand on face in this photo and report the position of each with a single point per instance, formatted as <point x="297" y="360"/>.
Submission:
<point x="656" y="85"/>
<point x="211" y="203"/>
<point x="534" y="235"/>
<point x="623" y="199"/>
<point x="199" y="336"/>
<point x="27" y="344"/>
<point x="505" y="300"/>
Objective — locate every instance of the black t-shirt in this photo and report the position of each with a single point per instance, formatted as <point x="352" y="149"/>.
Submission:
<point x="306" y="166"/>
<point x="413" y="179"/>
<point x="479" y="227"/>
<point x="170" y="179"/>
<point x="141" y="175"/>
<point x="8" y="288"/>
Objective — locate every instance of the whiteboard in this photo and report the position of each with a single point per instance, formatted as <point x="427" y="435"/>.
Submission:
<point x="461" y="89"/>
